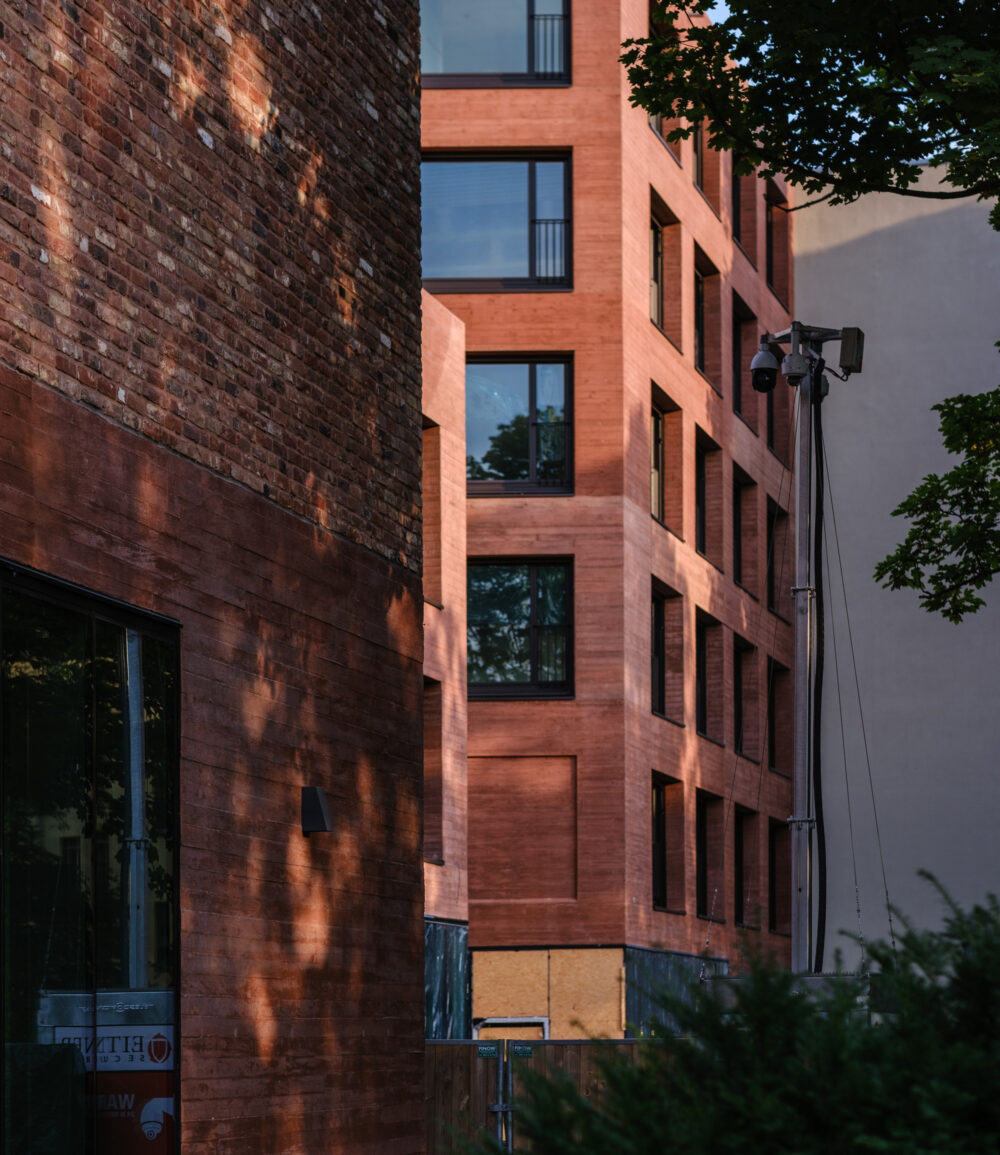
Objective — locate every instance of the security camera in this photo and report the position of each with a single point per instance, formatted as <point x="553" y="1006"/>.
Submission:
<point x="795" y="367"/>
<point x="764" y="369"/>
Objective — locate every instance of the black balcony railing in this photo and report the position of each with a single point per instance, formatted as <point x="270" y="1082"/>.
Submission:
<point x="548" y="46"/>
<point x="548" y="242"/>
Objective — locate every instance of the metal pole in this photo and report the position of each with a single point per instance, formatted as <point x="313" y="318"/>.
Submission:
<point x="800" y="833"/>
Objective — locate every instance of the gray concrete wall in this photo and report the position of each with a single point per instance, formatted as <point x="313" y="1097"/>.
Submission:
<point x="921" y="278"/>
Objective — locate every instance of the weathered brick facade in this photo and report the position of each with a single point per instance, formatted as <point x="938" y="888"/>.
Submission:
<point x="205" y="238"/>
<point x="210" y="409"/>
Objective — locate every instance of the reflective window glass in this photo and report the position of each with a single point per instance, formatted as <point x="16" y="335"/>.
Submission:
<point x="501" y="221"/>
<point x="517" y="426"/>
<point x="88" y="773"/>
<point x="519" y="618"/>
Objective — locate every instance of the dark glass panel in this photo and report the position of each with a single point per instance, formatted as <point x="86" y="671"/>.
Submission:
<point x="477" y="36"/>
<point x="475" y="219"/>
<point x="553" y="664"/>
<point x="553" y="607"/>
<point x="499" y="611"/>
<point x="497" y="407"/>
<point x="550" y="416"/>
<point x="160" y="738"/>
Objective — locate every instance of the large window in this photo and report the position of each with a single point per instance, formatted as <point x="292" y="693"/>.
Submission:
<point x="483" y="43"/>
<point x="494" y="223"/>
<point x="89" y="923"/>
<point x="517" y="426"/>
<point x="520" y="628"/>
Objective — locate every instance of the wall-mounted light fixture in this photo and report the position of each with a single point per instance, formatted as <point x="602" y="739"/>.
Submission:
<point x="315" y="812"/>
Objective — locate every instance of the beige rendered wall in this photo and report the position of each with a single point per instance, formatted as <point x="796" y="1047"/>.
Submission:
<point x="922" y="278"/>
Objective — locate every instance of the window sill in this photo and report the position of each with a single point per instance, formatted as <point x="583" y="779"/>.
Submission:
<point x="777" y="296"/>
<point x="707" y="199"/>
<point x="746" y="422"/>
<point x="517" y="694"/>
<point x="780" y="933"/>
<point x="712" y="918"/>
<point x="714" y="564"/>
<point x="749" y="592"/>
<point x="668" y="910"/>
<point x="748" y="757"/>
<point x="494" y="80"/>
<point x="739" y="244"/>
<point x="777" y="457"/>
<point x="666" y="718"/>
<point x="708" y="380"/>
<point x="747" y="925"/>
<point x="779" y="615"/>
<point x="486" y="489"/>
<point x="441" y="285"/>
<point x="666" y="144"/>
<point x="708" y="738"/>
<point x="663" y="333"/>
<point x="433" y="861"/>
<point x="781" y="773"/>
<point x="663" y="525"/>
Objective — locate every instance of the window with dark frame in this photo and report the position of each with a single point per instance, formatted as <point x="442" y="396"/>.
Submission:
<point x="746" y="734"/>
<point x="479" y="43"/>
<point x="778" y="581"/>
<point x="698" y="156"/>
<point x="744" y="530"/>
<point x="779" y="718"/>
<point x="665" y="259"/>
<point x="744" y="331"/>
<point x="90" y="739"/>
<point x="709" y="856"/>
<point x="520" y="624"/>
<point x="699" y="320"/>
<point x="666" y="430"/>
<point x="656" y="272"/>
<point x="708" y="498"/>
<point x="708" y="678"/>
<point x="707" y="320"/>
<point x="668" y="848"/>
<point x="776" y="248"/>
<point x="496" y="222"/>
<point x="779" y="877"/>
<point x="517" y="423"/>
<point x="667" y="653"/>
<point x="746" y="902"/>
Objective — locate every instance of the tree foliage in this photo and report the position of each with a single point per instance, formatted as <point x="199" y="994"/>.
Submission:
<point x="778" y="1069"/>
<point x="845" y="99"/>
<point x="952" y="548"/>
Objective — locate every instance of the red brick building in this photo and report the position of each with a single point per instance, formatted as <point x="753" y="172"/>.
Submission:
<point x="628" y="570"/>
<point x="210" y="591"/>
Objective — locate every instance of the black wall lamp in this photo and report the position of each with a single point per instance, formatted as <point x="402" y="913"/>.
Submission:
<point x="315" y="812"/>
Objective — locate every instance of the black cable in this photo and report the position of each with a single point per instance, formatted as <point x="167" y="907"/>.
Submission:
<point x="816" y="398"/>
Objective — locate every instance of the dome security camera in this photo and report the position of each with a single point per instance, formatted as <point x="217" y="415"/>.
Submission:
<point x="764" y="370"/>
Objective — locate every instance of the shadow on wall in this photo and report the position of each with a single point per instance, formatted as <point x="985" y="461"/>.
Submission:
<point x="213" y="253"/>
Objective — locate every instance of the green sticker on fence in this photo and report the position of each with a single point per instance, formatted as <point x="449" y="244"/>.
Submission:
<point x="521" y="1051"/>
<point x="487" y="1050"/>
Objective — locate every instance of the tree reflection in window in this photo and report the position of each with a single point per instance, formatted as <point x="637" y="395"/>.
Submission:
<point x="519" y="622"/>
<point x="517" y="426"/>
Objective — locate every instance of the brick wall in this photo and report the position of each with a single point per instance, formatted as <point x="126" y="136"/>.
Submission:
<point x="210" y="408"/>
<point x="204" y="237"/>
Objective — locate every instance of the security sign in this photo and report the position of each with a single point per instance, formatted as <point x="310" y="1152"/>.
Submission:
<point x="121" y="1048"/>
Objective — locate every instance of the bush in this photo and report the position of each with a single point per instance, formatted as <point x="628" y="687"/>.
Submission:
<point x="772" y="1064"/>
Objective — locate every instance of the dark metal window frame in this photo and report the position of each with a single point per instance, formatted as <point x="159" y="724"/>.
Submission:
<point x="531" y="485"/>
<point x="533" y="688"/>
<point x="532" y="283"/>
<point x="531" y="78"/>
<point x="97" y="607"/>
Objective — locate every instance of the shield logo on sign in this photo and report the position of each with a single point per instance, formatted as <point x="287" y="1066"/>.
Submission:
<point x="158" y="1049"/>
